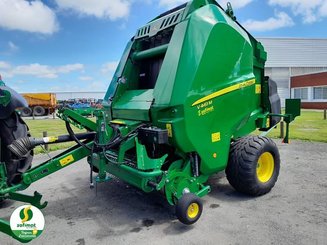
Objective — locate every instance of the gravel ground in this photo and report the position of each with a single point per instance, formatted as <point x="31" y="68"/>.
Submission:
<point x="294" y="212"/>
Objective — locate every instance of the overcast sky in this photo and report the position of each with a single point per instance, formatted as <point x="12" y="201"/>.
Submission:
<point x="70" y="45"/>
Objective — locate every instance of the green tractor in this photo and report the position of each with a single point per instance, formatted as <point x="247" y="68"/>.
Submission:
<point x="189" y="89"/>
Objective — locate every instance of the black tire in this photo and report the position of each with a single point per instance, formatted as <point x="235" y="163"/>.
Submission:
<point x="253" y="166"/>
<point x="39" y="111"/>
<point x="2" y="203"/>
<point x="13" y="128"/>
<point x="26" y="112"/>
<point x="189" y="209"/>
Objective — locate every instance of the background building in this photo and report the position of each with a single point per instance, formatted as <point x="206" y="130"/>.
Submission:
<point x="293" y="57"/>
<point x="312" y="89"/>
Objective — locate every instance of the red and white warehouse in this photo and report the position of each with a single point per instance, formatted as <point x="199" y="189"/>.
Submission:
<point x="312" y="89"/>
<point x="299" y="66"/>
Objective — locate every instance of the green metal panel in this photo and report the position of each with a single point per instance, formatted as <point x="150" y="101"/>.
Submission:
<point x="119" y="71"/>
<point x="134" y="105"/>
<point x="146" y="163"/>
<point x="150" y="52"/>
<point x="5" y="228"/>
<point x="208" y="62"/>
<point x="293" y="107"/>
<point x="61" y="161"/>
<point x="85" y="111"/>
<point x="128" y="174"/>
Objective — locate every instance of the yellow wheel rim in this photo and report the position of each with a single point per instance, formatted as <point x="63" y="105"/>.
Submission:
<point x="265" y="167"/>
<point x="193" y="210"/>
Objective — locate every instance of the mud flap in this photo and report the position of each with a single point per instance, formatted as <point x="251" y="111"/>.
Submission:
<point x="13" y="128"/>
<point x="274" y="102"/>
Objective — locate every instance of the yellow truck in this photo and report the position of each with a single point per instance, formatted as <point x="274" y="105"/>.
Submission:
<point x="39" y="104"/>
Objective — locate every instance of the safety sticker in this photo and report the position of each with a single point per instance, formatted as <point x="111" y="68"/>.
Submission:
<point x="258" y="88"/>
<point x="215" y="137"/>
<point x="63" y="162"/>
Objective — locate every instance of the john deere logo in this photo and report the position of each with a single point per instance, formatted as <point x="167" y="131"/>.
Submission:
<point x="27" y="222"/>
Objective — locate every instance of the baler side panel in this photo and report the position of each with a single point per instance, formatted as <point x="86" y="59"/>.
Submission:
<point x="213" y="64"/>
<point x="118" y="73"/>
<point x="225" y="62"/>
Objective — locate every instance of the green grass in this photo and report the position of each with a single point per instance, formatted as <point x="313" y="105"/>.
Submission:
<point x="310" y="126"/>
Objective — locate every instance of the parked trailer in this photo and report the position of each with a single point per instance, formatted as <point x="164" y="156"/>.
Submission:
<point x="39" y="104"/>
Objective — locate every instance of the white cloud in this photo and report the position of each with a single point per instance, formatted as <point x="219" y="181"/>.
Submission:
<point x="36" y="70"/>
<point x="85" y="78"/>
<point x="12" y="47"/>
<point x="4" y="68"/>
<point x="69" y="68"/>
<point x="310" y="10"/>
<point x="4" y="65"/>
<point x="280" y="20"/>
<point x="5" y="75"/>
<point x="323" y="10"/>
<point x="44" y="71"/>
<point x="113" y="9"/>
<point x="30" y="16"/>
<point x="109" y="67"/>
<point x="236" y="4"/>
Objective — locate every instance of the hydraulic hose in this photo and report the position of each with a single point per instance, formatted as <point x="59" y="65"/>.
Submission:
<point x="74" y="136"/>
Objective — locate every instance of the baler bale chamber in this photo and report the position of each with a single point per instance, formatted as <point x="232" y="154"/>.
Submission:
<point x="189" y="89"/>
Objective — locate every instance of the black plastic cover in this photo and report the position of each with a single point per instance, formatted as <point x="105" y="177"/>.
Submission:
<point x="16" y="101"/>
<point x="153" y="136"/>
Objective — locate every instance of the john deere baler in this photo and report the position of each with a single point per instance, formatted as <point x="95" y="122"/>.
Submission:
<point x="188" y="91"/>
